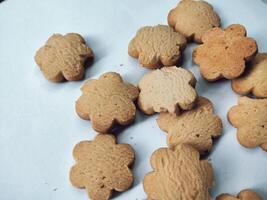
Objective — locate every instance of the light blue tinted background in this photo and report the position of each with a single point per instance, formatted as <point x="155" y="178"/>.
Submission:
<point x="38" y="123"/>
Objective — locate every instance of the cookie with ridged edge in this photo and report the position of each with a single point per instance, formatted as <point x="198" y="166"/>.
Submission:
<point x="224" y="53"/>
<point x="196" y="127"/>
<point x="254" y="80"/>
<point x="102" y="166"/>
<point x="249" y="117"/>
<point x="193" y="18"/>
<point x="107" y="101"/>
<point x="157" y="46"/>
<point x="63" y="57"/>
<point x="167" y="89"/>
<point x="243" y="195"/>
<point x="178" y="174"/>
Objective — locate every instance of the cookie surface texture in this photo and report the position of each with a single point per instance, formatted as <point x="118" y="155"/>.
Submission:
<point x="157" y="46"/>
<point x="254" y="80"/>
<point x="178" y="174"/>
<point x="167" y="89"/>
<point x="107" y="101"/>
<point x="224" y="53"/>
<point x="243" y="195"/>
<point x="196" y="127"/>
<point x="102" y="166"/>
<point x="64" y="57"/>
<point x="249" y="117"/>
<point x="193" y="18"/>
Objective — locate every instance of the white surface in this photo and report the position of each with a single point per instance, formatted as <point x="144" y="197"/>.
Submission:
<point x="38" y="123"/>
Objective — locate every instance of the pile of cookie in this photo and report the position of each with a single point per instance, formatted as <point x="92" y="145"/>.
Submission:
<point x="178" y="173"/>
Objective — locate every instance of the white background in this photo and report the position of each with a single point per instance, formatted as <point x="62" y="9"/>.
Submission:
<point x="38" y="123"/>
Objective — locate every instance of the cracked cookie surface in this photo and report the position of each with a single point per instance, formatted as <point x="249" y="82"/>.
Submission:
<point x="196" y="127"/>
<point x="64" y="57"/>
<point x="178" y="174"/>
<point x="157" y="46"/>
<point x="193" y="18"/>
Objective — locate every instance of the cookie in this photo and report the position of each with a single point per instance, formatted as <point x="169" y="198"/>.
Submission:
<point x="64" y="57"/>
<point x="243" y="195"/>
<point x="178" y="175"/>
<point x="157" y="46"/>
<point x="107" y="101"/>
<point x="193" y="18"/>
<point x="249" y="117"/>
<point x="167" y="89"/>
<point x="102" y="166"/>
<point x="254" y="80"/>
<point x="224" y="53"/>
<point x="196" y="127"/>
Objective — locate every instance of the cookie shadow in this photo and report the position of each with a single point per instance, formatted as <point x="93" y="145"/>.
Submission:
<point x="140" y="117"/>
<point x="99" y="50"/>
<point x="215" y="141"/>
<point x="261" y="191"/>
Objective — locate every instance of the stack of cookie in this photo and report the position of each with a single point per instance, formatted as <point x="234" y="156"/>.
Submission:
<point x="188" y="119"/>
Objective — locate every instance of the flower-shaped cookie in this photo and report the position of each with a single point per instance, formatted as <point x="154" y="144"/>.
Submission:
<point x="107" y="101"/>
<point x="167" y="89"/>
<point x="157" y="46"/>
<point x="102" y="166"/>
<point x="178" y="175"/>
<point x="254" y="80"/>
<point x="243" y="195"/>
<point x="224" y="53"/>
<point x="193" y="18"/>
<point x="250" y="119"/>
<point x="63" y="57"/>
<point x="195" y="127"/>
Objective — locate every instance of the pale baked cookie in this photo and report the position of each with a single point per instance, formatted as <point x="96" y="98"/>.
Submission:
<point x="107" y="101"/>
<point x="63" y="57"/>
<point x="254" y="80"/>
<point x="155" y="46"/>
<point x="167" y="89"/>
<point x="178" y="174"/>
<point x="196" y="127"/>
<point x="102" y="166"/>
<point x="224" y="53"/>
<point x="193" y="18"/>
<point x="243" y="195"/>
<point x="250" y="119"/>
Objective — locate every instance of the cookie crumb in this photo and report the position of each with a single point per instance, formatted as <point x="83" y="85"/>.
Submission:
<point x="55" y="189"/>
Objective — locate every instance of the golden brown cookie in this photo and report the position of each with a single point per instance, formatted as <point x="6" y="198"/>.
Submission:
<point x="167" y="89"/>
<point x="178" y="175"/>
<point x="63" y="57"/>
<point x="107" y="101"/>
<point x="254" y="80"/>
<point x="193" y="18"/>
<point x="155" y="46"/>
<point x="224" y="53"/>
<point x="102" y="166"/>
<point x="250" y="119"/>
<point x="195" y="127"/>
<point x="243" y="195"/>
